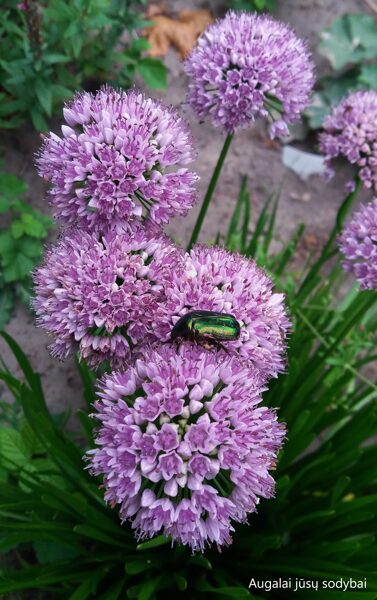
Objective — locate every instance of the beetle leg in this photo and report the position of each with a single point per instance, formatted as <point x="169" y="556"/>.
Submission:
<point x="221" y="346"/>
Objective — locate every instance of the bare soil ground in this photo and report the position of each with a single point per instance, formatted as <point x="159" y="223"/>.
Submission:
<point x="313" y="202"/>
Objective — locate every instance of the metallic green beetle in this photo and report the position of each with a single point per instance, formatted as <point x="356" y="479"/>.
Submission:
<point x="207" y="326"/>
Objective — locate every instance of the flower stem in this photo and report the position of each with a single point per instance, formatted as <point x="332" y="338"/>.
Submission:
<point x="210" y="190"/>
<point x="328" y="250"/>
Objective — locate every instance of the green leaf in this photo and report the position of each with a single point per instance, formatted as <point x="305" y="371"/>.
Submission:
<point x="228" y="591"/>
<point x="23" y="291"/>
<point x="38" y="119"/>
<point x="31" y="248"/>
<point x="11" y="186"/>
<point x="17" y="229"/>
<point x="18" y="268"/>
<point x="52" y="59"/>
<point x="160" y="540"/>
<point x="134" y="567"/>
<point x="113" y="592"/>
<point x="95" y="534"/>
<point x="180" y="581"/>
<point x="4" y="204"/>
<point x="331" y="92"/>
<point x="32" y="226"/>
<point x="6" y="243"/>
<point x="146" y="589"/>
<point x="154" y="72"/>
<point x="44" y="95"/>
<point x="88" y="587"/>
<point x="350" y="39"/>
<point x="14" y="453"/>
<point x="50" y="552"/>
<point x="6" y="304"/>
<point x="368" y="76"/>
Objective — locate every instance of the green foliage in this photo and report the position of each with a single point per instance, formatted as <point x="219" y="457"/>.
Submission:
<point x="350" y="46"/>
<point x="49" y="50"/>
<point x="254" y="5"/>
<point x="322" y="523"/>
<point x="21" y="242"/>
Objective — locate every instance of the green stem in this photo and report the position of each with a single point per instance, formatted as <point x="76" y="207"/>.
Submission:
<point x="328" y="249"/>
<point x="210" y="190"/>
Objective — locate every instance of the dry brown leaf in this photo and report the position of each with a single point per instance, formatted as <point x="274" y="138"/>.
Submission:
<point x="181" y="32"/>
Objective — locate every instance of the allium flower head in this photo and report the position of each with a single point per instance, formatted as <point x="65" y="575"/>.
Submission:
<point x="217" y="280"/>
<point x="350" y="131"/>
<point x="120" y="153"/>
<point x="247" y="66"/>
<point x="358" y="243"/>
<point x="99" y="294"/>
<point x="183" y="444"/>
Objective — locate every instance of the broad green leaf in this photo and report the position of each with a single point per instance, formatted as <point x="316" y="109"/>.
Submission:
<point x="350" y="39"/>
<point x="368" y="76"/>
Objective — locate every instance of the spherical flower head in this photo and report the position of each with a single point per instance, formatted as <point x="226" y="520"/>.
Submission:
<point x="358" y="243"/>
<point x="183" y="444"/>
<point x="247" y="66"/>
<point x="99" y="294"/>
<point x="120" y="155"/>
<point x="350" y="131"/>
<point x="217" y="280"/>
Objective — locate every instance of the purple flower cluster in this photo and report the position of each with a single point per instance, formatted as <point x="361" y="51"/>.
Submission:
<point x="350" y="131"/>
<point x="107" y="294"/>
<point x="247" y="66"/>
<point x="183" y="444"/>
<point x="99" y="294"/>
<point x="358" y="243"/>
<point x="120" y="155"/>
<point x="217" y="280"/>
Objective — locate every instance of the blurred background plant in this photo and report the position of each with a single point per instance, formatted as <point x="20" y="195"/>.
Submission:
<point x="50" y="49"/>
<point x="21" y="243"/>
<point x="350" y="47"/>
<point x="250" y="5"/>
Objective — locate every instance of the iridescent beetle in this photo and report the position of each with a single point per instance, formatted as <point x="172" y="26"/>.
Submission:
<point x="207" y="328"/>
